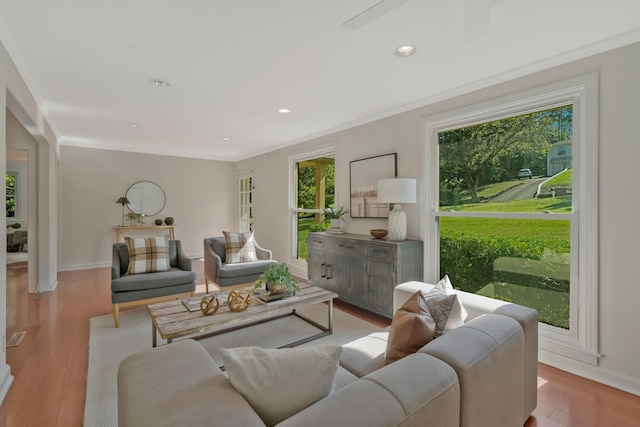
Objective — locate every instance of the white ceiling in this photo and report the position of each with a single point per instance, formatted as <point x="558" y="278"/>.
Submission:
<point x="232" y="64"/>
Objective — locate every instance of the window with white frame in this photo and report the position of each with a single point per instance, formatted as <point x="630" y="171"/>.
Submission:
<point x="506" y="222"/>
<point x="312" y="191"/>
<point x="11" y="182"/>
<point x="245" y="211"/>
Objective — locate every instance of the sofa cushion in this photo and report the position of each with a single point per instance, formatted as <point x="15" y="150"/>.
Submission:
<point x="411" y="328"/>
<point x="278" y="383"/>
<point x="156" y="280"/>
<point x="244" y="268"/>
<point x="240" y="247"/>
<point x="364" y="355"/>
<point x="148" y="255"/>
<point x="458" y="313"/>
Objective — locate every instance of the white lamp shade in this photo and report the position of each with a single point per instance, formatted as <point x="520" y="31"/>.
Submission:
<point x="397" y="190"/>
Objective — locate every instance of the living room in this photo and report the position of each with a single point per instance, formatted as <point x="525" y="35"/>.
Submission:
<point x="201" y="193"/>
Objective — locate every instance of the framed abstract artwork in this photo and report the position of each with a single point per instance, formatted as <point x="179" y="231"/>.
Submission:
<point x="364" y="175"/>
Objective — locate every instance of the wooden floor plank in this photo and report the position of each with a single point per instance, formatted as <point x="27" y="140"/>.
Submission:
<point x="50" y="365"/>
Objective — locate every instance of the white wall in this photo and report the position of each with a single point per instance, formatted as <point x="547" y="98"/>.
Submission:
<point x="16" y="97"/>
<point x="200" y="196"/>
<point x="619" y="202"/>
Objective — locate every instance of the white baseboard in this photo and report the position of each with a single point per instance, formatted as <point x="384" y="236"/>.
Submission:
<point x="595" y="373"/>
<point x="5" y="381"/>
<point x="84" y="266"/>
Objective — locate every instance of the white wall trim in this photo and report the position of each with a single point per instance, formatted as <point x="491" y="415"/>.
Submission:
<point x="5" y="380"/>
<point x="74" y="267"/>
<point x="594" y="373"/>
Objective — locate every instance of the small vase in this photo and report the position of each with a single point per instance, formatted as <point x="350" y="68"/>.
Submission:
<point x="158" y="221"/>
<point x="168" y="220"/>
<point x="335" y="223"/>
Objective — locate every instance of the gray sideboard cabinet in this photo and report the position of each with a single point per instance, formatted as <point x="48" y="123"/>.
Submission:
<point x="362" y="270"/>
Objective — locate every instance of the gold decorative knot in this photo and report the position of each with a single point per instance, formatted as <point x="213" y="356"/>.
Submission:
<point x="209" y="304"/>
<point x="239" y="299"/>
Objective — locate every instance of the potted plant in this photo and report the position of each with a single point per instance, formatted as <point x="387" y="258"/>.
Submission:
<point x="335" y="216"/>
<point x="136" y="218"/>
<point x="278" y="280"/>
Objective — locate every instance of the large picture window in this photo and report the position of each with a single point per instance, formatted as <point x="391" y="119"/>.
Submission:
<point x="512" y="212"/>
<point x="499" y="168"/>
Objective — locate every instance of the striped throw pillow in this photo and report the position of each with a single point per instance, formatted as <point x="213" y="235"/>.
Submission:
<point x="148" y="255"/>
<point x="241" y="247"/>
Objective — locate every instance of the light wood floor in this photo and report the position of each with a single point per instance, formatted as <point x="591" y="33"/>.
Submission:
<point x="50" y="365"/>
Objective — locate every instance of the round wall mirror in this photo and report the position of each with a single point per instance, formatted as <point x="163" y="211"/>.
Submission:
<point x="146" y="197"/>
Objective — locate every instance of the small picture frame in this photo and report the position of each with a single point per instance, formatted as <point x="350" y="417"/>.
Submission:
<point x="364" y="175"/>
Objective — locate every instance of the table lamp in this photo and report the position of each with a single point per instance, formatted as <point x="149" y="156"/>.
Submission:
<point x="123" y="201"/>
<point x="397" y="191"/>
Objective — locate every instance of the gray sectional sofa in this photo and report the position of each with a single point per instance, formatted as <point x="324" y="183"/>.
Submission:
<point x="483" y="373"/>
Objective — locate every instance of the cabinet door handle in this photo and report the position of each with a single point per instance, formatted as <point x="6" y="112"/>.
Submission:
<point x="329" y="276"/>
<point x="322" y="270"/>
<point x="346" y="246"/>
<point x="380" y="251"/>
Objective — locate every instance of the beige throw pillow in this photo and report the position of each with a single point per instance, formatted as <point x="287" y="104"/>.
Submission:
<point x="241" y="247"/>
<point x="411" y="328"/>
<point x="280" y="383"/>
<point x="148" y="255"/>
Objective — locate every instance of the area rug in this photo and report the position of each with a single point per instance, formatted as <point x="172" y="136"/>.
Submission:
<point x="108" y="346"/>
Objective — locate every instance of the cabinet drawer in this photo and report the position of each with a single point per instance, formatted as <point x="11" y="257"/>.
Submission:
<point x="346" y="247"/>
<point x="315" y="242"/>
<point x="386" y="253"/>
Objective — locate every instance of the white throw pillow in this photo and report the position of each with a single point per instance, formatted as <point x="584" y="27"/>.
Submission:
<point x="279" y="383"/>
<point x="458" y="313"/>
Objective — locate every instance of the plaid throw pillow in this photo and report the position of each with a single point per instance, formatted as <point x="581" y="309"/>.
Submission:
<point x="241" y="247"/>
<point x="148" y="254"/>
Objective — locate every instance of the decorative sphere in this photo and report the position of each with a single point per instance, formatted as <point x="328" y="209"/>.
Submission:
<point x="209" y="305"/>
<point x="239" y="299"/>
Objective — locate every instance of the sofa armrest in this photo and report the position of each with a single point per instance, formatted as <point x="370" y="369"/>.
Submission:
<point x="487" y="354"/>
<point x="212" y="262"/>
<point x="115" y="263"/>
<point x="184" y="262"/>
<point x="477" y="305"/>
<point x="263" y="253"/>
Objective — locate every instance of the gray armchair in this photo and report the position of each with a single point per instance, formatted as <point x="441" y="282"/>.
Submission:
<point x="17" y="240"/>
<point x="147" y="288"/>
<point x="222" y="274"/>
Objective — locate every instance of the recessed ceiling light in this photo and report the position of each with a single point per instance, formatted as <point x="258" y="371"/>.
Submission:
<point x="160" y="82"/>
<point x="405" y="50"/>
<point x="284" y="111"/>
<point x="135" y="125"/>
<point x="226" y="138"/>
